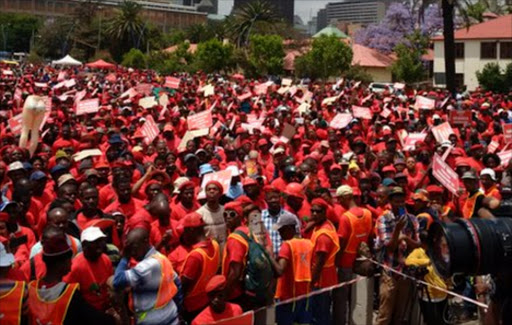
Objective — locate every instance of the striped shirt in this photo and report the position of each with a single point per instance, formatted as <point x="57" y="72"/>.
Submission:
<point x="269" y="221"/>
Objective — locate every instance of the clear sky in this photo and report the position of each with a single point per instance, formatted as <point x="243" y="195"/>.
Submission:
<point x="304" y="8"/>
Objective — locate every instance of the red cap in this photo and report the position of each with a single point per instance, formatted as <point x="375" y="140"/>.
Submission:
<point x="389" y="168"/>
<point x="320" y="202"/>
<point x="249" y="181"/>
<point x="262" y="142"/>
<point x="216" y="183"/>
<point x="335" y="166"/>
<point x="216" y="283"/>
<point x="192" y="220"/>
<point x="235" y="206"/>
<point x="295" y="189"/>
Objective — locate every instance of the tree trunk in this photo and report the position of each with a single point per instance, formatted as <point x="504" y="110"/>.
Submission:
<point x="449" y="45"/>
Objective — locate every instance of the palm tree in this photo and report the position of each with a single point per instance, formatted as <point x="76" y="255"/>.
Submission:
<point x="244" y="20"/>
<point x="127" y="25"/>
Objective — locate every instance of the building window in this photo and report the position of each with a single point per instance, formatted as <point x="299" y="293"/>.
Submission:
<point x="488" y="50"/>
<point x="440" y="78"/>
<point x="459" y="50"/>
<point x="506" y="50"/>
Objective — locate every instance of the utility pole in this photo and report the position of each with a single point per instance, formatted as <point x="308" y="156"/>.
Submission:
<point x="100" y="8"/>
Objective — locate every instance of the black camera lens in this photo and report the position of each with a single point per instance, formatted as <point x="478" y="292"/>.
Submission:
<point x="474" y="246"/>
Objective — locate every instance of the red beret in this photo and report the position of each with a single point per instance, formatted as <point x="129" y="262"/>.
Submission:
<point x="434" y="189"/>
<point x="216" y="183"/>
<point x="235" y="206"/>
<point x="216" y="283"/>
<point x="192" y="220"/>
<point x="320" y="202"/>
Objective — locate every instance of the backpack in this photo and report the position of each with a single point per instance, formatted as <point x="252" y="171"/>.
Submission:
<point x="259" y="274"/>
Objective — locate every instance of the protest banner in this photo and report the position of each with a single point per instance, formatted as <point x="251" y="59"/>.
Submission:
<point x="70" y="83"/>
<point x="505" y="157"/>
<point x="171" y="82"/>
<point x="303" y="108"/>
<point x="424" y="103"/>
<point x="442" y="132"/>
<point x="149" y="129"/>
<point x="385" y="112"/>
<point x="507" y="133"/>
<point x="200" y="120"/>
<point x="445" y="174"/>
<point x="61" y="76"/>
<point x="88" y="106"/>
<point x="244" y="96"/>
<point x="458" y="117"/>
<point x="329" y="100"/>
<point x="410" y="140"/>
<point x="163" y="100"/>
<point x="341" y="120"/>
<point x="144" y="89"/>
<point x="399" y="86"/>
<point x="286" y="82"/>
<point x="491" y="148"/>
<point x="361" y="112"/>
<point x="15" y="124"/>
<point x="223" y="177"/>
<point x="261" y="89"/>
<point x="111" y="77"/>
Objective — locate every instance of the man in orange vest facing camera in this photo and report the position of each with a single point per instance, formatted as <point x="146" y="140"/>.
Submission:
<point x="355" y="227"/>
<point x="154" y="284"/>
<point x="12" y="293"/>
<point x="293" y="268"/>
<point x="323" y="269"/>
<point x="201" y="264"/>
<point x="52" y="301"/>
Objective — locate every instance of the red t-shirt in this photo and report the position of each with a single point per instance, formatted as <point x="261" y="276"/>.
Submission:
<point x="235" y="251"/>
<point x="92" y="277"/>
<point x="158" y="231"/>
<point x="301" y="288"/>
<point x="107" y="195"/>
<point x="129" y="209"/>
<point x="178" y="211"/>
<point x="178" y="256"/>
<point x="208" y="316"/>
<point x="40" y="268"/>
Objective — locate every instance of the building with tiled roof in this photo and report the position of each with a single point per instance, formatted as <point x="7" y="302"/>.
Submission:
<point x="490" y="41"/>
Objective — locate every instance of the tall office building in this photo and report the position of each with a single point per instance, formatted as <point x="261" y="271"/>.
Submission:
<point x="322" y="21"/>
<point x="285" y="8"/>
<point x="357" y="11"/>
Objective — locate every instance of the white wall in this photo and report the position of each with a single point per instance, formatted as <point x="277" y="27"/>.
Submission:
<point x="469" y="65"/>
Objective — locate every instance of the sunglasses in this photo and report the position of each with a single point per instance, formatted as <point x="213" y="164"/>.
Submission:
<point x="231" y="214"/>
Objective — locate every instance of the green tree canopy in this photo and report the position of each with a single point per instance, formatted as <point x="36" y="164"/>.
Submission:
<point x="493" y="78"/>
<point x="134" y="59"/>
<point x="328" y="57"/>
<point x="266" y="54"/>
<point x="213" y="56"/>
<point x="16" y="31"/>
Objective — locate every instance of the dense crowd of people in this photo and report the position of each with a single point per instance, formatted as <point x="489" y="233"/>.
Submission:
<point x="135" y="211"/>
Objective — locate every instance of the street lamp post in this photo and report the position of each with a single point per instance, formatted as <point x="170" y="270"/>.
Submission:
<point x="99" y="29"/>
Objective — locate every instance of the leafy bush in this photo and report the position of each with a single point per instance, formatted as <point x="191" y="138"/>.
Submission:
<point x="134" y="59"/>
<point x="492" y="78"/>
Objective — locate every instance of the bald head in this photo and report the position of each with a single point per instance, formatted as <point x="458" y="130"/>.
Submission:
<point x="58" y="217"/>
<point x="159" y="207"/>
<point x="137" y="243"/>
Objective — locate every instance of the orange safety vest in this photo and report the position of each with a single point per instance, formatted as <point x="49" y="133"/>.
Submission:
<point x="167" y="289"/>
<point x="333" y="235"/>
<point x="426" y="216"/>
<point x="302" y="253"/>
<point x="49" y="312"/>
<point x="361" y="228"/>
<point x="493" y="190"/>
<point x="73" y="246"/>
<point x="469" y="206"/>
<point x="210" y="267"/>
<point x="11" y="304"/>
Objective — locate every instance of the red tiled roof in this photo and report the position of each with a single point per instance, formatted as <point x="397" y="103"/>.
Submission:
<point x="367" y="57"/>
<point x="498" y="28"/>
<point x="429" y="56"/>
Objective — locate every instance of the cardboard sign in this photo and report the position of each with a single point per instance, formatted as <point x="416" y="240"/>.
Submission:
<point x="261" y="89"/>
<point x="88" y="106"/>
<point x="442" y="132"/>
<point x="303" y="108"/>
<point x="223" y="177"/>
<point x="163" y="100"/>
<point x="144" y="89"/>
<point x="409" y="142"/>
<point x="424" y="103"/>
<point x="505" y="157"/>
<point x="288" y="131"/>
<point x="362" y="112"/>
<point x="148" y="102"/>
<point x="15" y="124"/>
<point x="61" y="76"/>
<point x="171" y="82"/>
<point x="80" y="95"/>
<point x="306" y="97"/>
<point x="491" y="148"/>
<point x="208" y="90"/>
<point x="385" y="112"/>
<point x="507" y="133"/>
<point x="286" y="82"/>
<point x="460" y="117"/>
<point x="149" y="129"/>
<point x="329" y="100"/>
<point x="70" y="83"/>
<point x="445" y="175"/>
<point x="200" y="120"/>
<point x="244" y="96"/>
<point x="341" y="120"/>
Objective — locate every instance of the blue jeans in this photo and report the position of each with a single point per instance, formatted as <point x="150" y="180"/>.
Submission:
<point x="297" y="312"/>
